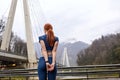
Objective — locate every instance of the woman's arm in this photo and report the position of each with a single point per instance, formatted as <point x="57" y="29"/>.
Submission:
<point x="44" y="52"/>
<point x="54" y="52"/>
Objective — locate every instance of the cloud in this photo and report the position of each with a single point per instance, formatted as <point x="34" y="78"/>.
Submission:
<point x="4" y="7"/>
<point x="84" y="20"/>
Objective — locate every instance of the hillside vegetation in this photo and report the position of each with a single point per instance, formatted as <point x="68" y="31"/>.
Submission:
<point x="16" y="45"/>
<point x="105" y="50"/>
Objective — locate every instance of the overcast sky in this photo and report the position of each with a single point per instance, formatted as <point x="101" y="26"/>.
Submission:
<point x="73" y="20"/>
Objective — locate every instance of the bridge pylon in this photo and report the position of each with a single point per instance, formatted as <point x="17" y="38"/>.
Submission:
<point x="32" y="62"/>
<point x="8" y="28"/>
<point x="65" y="59"/>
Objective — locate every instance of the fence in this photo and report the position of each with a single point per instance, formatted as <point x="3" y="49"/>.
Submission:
<point x="88" y="72"/>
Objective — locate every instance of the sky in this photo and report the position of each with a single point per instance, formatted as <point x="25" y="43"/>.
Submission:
<point x="72" y="20"/>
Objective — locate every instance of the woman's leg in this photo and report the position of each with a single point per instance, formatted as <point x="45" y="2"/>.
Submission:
<point x="52" y="74"/>
<point x="42" y="72"/>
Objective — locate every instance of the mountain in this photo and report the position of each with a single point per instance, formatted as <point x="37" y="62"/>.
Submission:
<point x="72" y="48"/>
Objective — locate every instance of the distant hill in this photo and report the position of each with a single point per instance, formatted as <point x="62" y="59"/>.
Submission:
<point x="73" y="50"/>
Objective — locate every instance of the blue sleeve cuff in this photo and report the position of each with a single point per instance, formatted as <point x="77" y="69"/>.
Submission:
<point x="40" y="38"/>
<point x="56" y="39"/>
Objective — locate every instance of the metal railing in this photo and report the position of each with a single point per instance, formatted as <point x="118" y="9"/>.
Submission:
<point x="87" y="71"/>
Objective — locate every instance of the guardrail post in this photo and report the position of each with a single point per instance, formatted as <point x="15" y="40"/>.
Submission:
<point x="87" y="73"/>
<point x="119" y="75"/>
<point x="10" y="78"/>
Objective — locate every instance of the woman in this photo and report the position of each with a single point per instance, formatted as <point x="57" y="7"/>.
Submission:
<point x="47" y="63"/>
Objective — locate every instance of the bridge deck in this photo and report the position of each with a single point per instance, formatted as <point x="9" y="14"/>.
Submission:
<point x="12" y="57"/>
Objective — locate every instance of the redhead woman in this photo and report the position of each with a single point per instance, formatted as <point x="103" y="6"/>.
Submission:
<point x="47" y="63"/>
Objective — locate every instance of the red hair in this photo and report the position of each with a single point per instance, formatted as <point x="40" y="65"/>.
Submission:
<point x="50" y="34"/>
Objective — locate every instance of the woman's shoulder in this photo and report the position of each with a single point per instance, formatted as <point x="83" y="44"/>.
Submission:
<point x="42" y="37"/>
<point x="56" y="38"/>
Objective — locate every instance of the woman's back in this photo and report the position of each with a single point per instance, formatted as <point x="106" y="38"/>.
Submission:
<point x="44" y="38"/>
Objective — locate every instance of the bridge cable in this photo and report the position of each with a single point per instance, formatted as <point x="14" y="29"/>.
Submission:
<point x="2" y="17"/>
<point x="39" y="14"/>
<point x="42" y="12"/>
<point x="36" y="15"/>
<point x="33" y="20"/>
<point x="4" y="12"/>
<point x="36" y="33"/>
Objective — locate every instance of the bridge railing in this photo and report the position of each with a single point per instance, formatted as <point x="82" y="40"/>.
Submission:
<point x="88" y="71"/>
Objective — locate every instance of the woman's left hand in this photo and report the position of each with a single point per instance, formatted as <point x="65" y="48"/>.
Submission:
<point x="52" y="67"/>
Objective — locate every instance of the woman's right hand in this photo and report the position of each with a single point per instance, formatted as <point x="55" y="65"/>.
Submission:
<point x="48" y="66"/>
<point x="52" y="66"/>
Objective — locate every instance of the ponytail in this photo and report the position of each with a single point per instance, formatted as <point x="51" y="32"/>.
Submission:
<point x="50" y="34"/>
<point x="50" y="37"/>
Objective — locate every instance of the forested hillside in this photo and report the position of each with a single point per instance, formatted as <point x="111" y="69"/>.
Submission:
<point x="17" y="45"/>
<point x="105" y="50"/>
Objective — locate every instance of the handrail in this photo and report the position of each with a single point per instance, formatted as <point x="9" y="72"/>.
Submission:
<point x="86" y="70"/>
<point x="91" y="66"/>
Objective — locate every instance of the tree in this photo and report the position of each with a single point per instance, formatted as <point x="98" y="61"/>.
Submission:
<point x="105" y="50"/>
<point x="115" y="55"/>
<point x="2" y="28"/>
<point x="16" y="45"/>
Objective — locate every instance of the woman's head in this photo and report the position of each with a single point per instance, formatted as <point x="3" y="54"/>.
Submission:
<point x="50" y="34"/>
<point x="47" y="27"/>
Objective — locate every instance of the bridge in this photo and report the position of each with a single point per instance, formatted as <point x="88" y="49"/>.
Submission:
<point x="10" y="57"/>
<point x="30" y="59"/>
